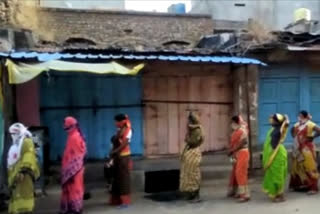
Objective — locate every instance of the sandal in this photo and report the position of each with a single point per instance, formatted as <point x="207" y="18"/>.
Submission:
<point x="243" y="200"/>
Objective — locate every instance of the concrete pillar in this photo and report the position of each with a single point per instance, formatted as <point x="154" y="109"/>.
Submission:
<point x="245" y="91"/>
<point x="253" y="86"/>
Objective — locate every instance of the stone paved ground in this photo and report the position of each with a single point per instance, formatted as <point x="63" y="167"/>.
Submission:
<point x="213" y="193"/>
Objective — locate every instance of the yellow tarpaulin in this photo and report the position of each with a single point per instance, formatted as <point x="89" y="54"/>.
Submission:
<point x="22" y="72"/>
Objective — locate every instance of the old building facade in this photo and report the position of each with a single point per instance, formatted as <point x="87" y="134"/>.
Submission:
<point x="275" y="15"/>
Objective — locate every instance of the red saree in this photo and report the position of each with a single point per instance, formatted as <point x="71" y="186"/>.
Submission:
<point x="72" y="174"/>
<point x="238" y="184"/>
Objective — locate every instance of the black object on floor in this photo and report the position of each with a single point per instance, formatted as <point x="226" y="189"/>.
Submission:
<point x="162" y="181"/>
<point x="164" y="196"/>
<point x="86" y="196"/>
<point x="3" y="207"/>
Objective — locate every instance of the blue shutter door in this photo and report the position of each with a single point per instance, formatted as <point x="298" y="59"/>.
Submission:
<point x="95" y="101"/>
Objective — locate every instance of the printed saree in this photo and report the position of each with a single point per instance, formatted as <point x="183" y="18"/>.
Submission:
<point x="22" y="190"/>
<point x="304" y="173"/>
<point x="190" y="173"/>
<point x="72" y="174"/>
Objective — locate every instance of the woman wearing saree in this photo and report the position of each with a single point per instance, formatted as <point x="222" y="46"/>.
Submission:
<point x="72" y="169"/>
<point x="190" y="174"/>
<point x="239" y="153"/>
<point x="304" y="173"/>
<point x="120" y="154"/>
<point x="275" y="161"/>
<point x="23" y="170"/>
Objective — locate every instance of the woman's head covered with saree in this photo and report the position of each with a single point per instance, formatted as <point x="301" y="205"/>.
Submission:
<point x="193" y="118"/>
<point x="18" y="133"/>
<point x="71" y="124"/>
<point x="277" y="119"/>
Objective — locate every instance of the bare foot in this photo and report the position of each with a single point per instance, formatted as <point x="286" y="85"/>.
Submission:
<point x="236" y="196"/>
<point x="230" y="195"/>
<point x="312" y="192"/>
<point x="279" y="199"/>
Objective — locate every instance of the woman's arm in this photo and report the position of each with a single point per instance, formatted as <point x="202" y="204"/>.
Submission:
<point x="120" y="148"/>
<point x="238" y="147"/>
<point x="275" y="138"/>
<point x="293" y="134"/>
<point x="316" y="130"/>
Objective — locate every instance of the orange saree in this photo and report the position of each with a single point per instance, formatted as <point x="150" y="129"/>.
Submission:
<point x="238" y="185"/>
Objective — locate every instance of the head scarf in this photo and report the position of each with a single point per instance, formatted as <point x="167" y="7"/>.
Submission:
<point x="194" y="119"/>
<point x="18" y="133"/>
<point x="71" y="124"/>
<point x="279" y="118"/>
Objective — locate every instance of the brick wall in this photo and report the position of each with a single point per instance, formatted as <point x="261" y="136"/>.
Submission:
<point x="4" y="12"/>
<point x="125" y="29"/>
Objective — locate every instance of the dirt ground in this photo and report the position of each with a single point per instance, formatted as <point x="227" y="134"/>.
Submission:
<point x="214" y="201"/>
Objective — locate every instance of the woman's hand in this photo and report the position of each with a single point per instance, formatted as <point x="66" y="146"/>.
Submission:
<point x="111" y="154"/>
<point x="310" y="139"/>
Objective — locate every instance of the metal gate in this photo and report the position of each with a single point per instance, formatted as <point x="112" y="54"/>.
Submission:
<point x="93" y="100"/>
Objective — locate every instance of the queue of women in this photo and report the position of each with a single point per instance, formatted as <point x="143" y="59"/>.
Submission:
<point x="23" y="169"/>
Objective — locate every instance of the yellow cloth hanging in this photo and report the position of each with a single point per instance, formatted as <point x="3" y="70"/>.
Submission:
<point x="22" y="72"/>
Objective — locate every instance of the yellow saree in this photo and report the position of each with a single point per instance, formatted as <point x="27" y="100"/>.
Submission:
<point x="22" y="187"/>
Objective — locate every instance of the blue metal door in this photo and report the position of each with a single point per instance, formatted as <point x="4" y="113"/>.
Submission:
<point x="287" y="89"/>
<point x="93" y="100"/>
<point x="314" y="103"/>
<point x="277" y="96"/>
<point x="279" y="92"/>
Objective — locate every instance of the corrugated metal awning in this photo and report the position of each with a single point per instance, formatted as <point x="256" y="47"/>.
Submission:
<point x="43" y="57"/>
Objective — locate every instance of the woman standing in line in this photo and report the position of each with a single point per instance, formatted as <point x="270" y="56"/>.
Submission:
<point x="239" y="153"/>
<point x="275" y="162"/>
<point x="73" y="169"/>
<point x="120" y="192"/>
<point x="23" y="170"/>
<point x="304" y="172"/>
<point x="190" y="175"/>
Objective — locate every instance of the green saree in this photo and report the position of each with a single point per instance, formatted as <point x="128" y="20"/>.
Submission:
<point x="276" y="174"/>
<point x="22" y="190"/>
